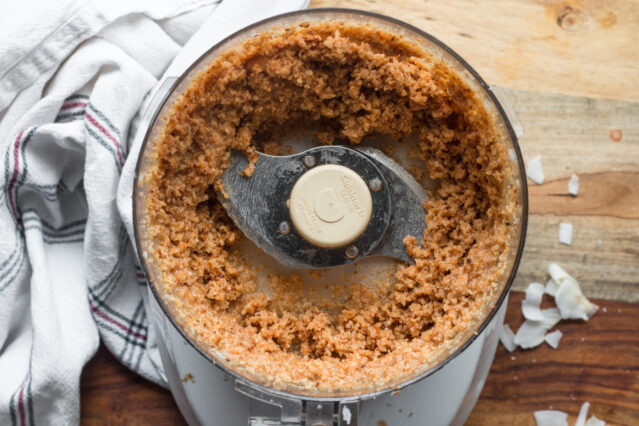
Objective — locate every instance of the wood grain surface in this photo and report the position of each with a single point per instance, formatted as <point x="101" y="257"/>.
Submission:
<point x="573" y="135"/>
<point x="578" y="47"/>
<point x="597" y="361"/>
<point x="111" y="394"/>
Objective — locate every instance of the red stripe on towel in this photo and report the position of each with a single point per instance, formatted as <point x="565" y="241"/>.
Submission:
<point x="106" y="133"/>
<point x="112" y="321"/>
<point x="14" y="177"/>
<point x="21" y="405"/>
<point x="73" y="105"/>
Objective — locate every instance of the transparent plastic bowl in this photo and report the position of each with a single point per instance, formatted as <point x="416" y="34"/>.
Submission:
<point x="495" y="103"/>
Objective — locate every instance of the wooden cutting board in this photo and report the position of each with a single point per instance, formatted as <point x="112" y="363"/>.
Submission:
<point x="571" y="71"/>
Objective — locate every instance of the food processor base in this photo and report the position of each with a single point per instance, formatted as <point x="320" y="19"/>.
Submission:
<point x="207" y="396"/>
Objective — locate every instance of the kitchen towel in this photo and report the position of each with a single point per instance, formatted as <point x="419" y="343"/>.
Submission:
<point x="73" y="78"/>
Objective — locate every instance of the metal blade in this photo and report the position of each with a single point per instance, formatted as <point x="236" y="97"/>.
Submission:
<point x="257" y="205"/>
<point x="408" y="214"/>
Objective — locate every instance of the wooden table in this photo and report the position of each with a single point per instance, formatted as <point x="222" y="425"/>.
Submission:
<point x="571" y="71"/>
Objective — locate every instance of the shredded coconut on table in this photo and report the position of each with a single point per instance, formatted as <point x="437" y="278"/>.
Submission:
<point x="583" y="414"/>
<point x="534" y="170"/>
<point x="565" y="233"/>
<point x="573" y="185"/>
<point x="559" y="418"/>
<point x="507" y="338"/>
<point x="594" y="421"/>
<point x="531" y="303"/>
<point x="571" y="304"/>
<point x="551" y="418"/>
<point x="532" y="333"/>
<point x="553" y="338"/>
<point x="557" y="273"/>
<point x="551" y="288"/>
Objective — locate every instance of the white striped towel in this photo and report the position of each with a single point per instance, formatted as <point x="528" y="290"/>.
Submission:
<point x="73" y="76"/>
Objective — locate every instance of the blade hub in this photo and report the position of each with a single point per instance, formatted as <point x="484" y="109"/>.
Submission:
<point x="330" y="205"/>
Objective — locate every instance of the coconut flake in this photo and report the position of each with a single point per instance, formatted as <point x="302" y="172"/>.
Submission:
<point x="507" y="338"/>
<point x="593" y="421"/>
<point x="530" y="305"/>
<point x="553" y="338"/>
<point x="534" y="170"/>
<point x="565" y="233"/>
<point x="572" y="303"/>
<point x="557" y="273"/>
<point x="532" y="333"/>
<point x="573" y="185"/>
<point x="558" y="276"/>
<point x="551" y="418"/>
<point x="583" y="414"/>
<point x="552" y="316"/>
<point x="551" y="287"/>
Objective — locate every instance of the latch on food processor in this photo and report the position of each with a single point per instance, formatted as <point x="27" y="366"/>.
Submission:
<point x="297" y="412"/>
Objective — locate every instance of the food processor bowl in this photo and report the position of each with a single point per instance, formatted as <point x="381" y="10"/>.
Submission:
<point x="211" y="390"/>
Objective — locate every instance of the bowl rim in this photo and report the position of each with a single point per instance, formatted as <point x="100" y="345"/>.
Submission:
<point x="487" y="320"/>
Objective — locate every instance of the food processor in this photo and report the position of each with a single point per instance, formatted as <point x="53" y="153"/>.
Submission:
<point x="345" y="206"/>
